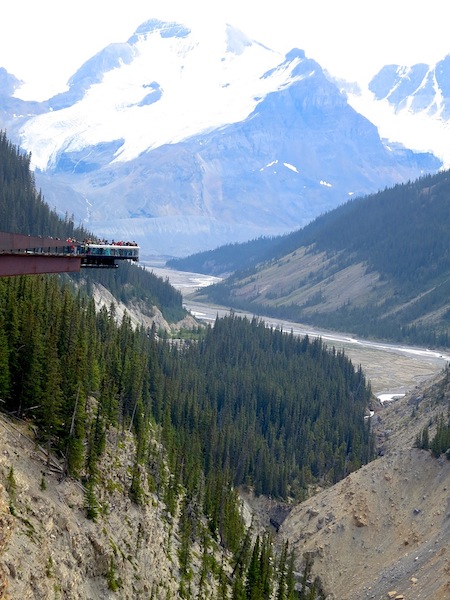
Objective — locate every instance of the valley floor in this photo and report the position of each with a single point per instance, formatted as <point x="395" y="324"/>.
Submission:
<point x="390" y="368"/>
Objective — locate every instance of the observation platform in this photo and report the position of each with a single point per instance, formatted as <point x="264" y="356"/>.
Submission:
<point x="32" y="255"/>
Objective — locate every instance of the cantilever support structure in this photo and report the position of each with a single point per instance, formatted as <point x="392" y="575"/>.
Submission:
<point x="33" y="264"/>
<point x="31" y="255"/>
<point x="17" y="241"/>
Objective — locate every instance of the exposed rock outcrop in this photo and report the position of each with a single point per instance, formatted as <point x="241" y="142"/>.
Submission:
<point x="385" y="528"/>
<point x="49" y="549"/>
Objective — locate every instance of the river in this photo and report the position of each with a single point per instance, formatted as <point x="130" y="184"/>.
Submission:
<point x="392" y="369"/>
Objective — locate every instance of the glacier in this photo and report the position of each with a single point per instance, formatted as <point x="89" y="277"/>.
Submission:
<point x="186" y="138"/>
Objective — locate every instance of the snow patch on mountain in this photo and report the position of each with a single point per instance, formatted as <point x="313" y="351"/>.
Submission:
<point x="273" y="163"/>
<point x="420" y="132"/>
<point x="411" y="105"/>
<point x="173" y="85"/>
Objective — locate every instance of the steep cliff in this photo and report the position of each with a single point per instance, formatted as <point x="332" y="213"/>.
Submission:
<point x="49" y="549"/>
<point x="383" y="531"/>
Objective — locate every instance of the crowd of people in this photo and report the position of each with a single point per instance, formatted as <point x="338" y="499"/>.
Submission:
<point x="88" y="241"/>
<point x="107" y="243"/>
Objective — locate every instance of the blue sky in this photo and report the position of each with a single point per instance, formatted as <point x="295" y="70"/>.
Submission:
<point x="44" y="42"/>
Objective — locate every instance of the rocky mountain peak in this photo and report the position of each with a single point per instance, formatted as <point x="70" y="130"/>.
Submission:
<point x="419" y="88"/>
<point x="185" y="139"/>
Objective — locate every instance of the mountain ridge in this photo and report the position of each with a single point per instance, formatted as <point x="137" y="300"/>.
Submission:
<point x="375" y="266"/>
<point x="409" y="103"/>
<point x="184" y="144"/>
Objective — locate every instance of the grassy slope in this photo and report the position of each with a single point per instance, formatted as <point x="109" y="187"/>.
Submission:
<point x="376" y="266"/>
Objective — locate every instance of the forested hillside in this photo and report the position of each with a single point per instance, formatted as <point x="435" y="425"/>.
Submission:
<point x="279" y="411"/>
<point x="229" y="258"/>
<point x="246" y="405"/>
<point x="243" y="405"/>
<point x="377" y="266"/>
<point x="22" y="207"/>
<point x="24" y="210"/>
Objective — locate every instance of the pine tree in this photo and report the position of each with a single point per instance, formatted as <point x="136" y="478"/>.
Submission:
<point x="266" y="567"/>
<point x="222" y="590"/>
<point x="282" y="574"/>
<point x="4" y="363"/>
<point x="290" y="579"/>
<point x="91" y="503"/>
<point x="49" y="413"/>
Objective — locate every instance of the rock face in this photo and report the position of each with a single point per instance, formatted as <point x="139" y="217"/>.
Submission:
<point x="139" y="315"/>
<point x="6" y="530"/>
<point x="385" y="528"/>
<point x="49" y="549"/>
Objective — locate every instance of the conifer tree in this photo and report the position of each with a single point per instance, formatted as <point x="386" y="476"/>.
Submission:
<point x="282" y="574"/>
<point x="253" y="579"/>
<point x="4" y="362"/>
<point x="222" y="590"/>
<point x="49" y="412"/>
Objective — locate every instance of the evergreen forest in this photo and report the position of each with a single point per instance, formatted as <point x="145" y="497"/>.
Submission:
<point x="23" y="210"/>
<point x="243" y="405"/>
<point x="400" y="234"/>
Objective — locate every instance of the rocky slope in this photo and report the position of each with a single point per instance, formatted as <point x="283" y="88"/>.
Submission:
<point x="314" y="280"/>
<point x="49" y="549"/>
<point x="139" y="315"/>
<point x="383" y="531"/>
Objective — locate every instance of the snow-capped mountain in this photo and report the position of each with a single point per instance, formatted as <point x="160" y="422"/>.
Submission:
<point x="411" y="104"/>
<point x="161" y="87"/>
<point x="418" y="89"/>
<point x="184" y="141"/>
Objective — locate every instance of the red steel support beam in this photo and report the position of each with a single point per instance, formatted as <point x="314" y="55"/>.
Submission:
<point x="34" y="264"/>
<point x="18" y="241"/>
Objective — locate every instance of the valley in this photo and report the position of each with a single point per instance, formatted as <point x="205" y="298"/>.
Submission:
<point x="391" y="368"/>
<point x="136" y="492"/>
<point x="380" y="532"/>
